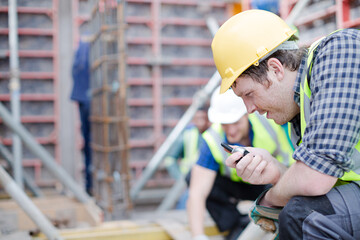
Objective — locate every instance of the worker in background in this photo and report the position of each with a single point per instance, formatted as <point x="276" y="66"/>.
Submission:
<point x="214" y="186"/>
<point x="80" y="94"/>
<point x="317" y="91"/>
<point x="186" y="150"/>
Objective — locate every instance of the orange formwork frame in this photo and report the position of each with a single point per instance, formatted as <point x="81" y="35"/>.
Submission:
<point x="52" y="75"/>
<point x="157" y="80"/>
<point x="339" y="13"/>
<point x="341" y="10"/>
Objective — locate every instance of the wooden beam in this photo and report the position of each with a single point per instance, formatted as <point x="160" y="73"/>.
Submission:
<point x="175" y="229"/>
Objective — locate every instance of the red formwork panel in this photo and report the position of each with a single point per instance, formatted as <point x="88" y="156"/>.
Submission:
<point x="168" y="43"/>
<point x="320" y="18"/>
<point x="38" y="48"/>
<point x="169" y="58"/>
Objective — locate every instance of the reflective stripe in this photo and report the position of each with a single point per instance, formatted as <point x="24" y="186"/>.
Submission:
<point x="213" y="137"/>
<point x="217" y="151"/>
<point x="272" y="137"/>
<point x="278" y="151"/>
<point x="270" y="131"/>
<point x="191" y="151"/>
<point x="293" y="136"/>
<point x="305" y="96"/>
<point x="305" y="89"/>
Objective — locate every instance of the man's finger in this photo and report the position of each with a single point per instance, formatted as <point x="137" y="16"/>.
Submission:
<point x="267" y="224"/>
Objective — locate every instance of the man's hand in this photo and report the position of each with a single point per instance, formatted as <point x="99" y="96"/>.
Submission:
<point x="257" y="167"/>
<point x="266" y="217"/>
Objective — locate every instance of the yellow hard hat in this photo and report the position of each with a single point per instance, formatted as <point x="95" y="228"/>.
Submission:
<point x="244" y="39"/>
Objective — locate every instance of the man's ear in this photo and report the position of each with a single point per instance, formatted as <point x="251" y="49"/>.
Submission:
<point x="276" y="68"/>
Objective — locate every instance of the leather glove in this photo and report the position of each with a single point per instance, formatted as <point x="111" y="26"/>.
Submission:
<point x="267" y="218"/>
<point x="201" y="237"/>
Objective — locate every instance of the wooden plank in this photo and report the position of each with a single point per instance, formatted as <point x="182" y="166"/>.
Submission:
<point x="175" y="229"/>
<point x="124" y="230"/>
<point x="64" y="211"/>
<point x="149" y="226"/>
<point x="16" y="236"/>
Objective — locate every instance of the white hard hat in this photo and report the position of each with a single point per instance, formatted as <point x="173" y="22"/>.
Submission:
<point x="226" y="108"/>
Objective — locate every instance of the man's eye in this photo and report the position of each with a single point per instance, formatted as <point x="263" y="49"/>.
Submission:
<point x="248" y="94"/>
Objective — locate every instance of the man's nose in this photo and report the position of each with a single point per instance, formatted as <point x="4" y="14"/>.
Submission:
<point x="250" y="107"/>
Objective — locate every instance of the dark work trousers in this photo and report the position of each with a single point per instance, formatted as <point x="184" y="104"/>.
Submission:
<point x="224" y="197"/>
<point x="84" y="108"/>
<point x="335" y="215"/>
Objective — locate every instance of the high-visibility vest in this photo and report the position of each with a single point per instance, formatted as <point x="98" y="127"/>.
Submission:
<point x="191" y="149"/>
<point x="267" y="135"/>
<point x="305" y="95"/>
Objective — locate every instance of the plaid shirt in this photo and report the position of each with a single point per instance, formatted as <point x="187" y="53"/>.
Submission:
<point x="334" y="126"/>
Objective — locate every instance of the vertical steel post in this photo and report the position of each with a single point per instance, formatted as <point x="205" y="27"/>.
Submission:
<point x="29" y="183"/>
<point x="15" y="89"/>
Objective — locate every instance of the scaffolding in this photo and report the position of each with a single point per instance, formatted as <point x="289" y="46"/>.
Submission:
<point x="320" y="18"/>
<point x="38" y="66"/>
<point x="138" y="95"/>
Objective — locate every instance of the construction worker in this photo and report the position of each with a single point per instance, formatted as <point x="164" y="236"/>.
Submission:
<point x="186" y="150"/>
<point x="215" y="187"/>
<point x="187" y="145"/>
<point x="316" y="89"/>
<point x="80" y="94"/>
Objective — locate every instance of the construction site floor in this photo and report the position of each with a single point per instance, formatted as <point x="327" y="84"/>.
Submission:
<point x="147" y="226"/>
<point x="78" y="221"/>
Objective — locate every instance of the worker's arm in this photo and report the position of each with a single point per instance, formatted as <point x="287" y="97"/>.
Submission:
<point x="298" y="180"/>
<point x="201" y="183"/>
<point x="257" y="167"/>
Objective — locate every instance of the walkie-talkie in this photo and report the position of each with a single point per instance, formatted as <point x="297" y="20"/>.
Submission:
<point x="236" y="149"/>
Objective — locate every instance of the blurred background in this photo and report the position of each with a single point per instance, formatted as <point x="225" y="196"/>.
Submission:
<point x="143" y="66"/>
